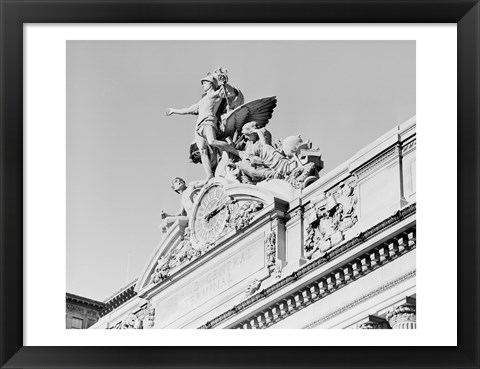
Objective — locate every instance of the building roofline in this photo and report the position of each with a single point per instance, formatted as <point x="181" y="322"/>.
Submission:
<point x="70" y="297"/>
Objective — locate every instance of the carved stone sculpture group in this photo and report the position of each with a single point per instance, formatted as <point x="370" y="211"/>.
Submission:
<point x="232" y="143"/>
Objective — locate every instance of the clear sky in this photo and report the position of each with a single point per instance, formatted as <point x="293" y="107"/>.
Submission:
<point x="123" y="152"/>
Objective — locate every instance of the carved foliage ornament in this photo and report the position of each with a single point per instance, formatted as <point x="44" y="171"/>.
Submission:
<point x="327" y="221"/>
<point x="182" y="254"/>
<point x="240" y="214"/>
<point x="253" y="287"/>
<point x="143" y="319"/>
<point x="236" y="215"/>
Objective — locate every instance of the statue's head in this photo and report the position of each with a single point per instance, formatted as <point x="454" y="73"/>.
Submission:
<point x="249" y="131"/>
<point x="178" y="184"/>
<point x="208" y="82"/>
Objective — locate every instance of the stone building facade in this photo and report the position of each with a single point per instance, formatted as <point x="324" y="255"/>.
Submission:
<point x="81" y="312"/>
<point x="339" y="253"/>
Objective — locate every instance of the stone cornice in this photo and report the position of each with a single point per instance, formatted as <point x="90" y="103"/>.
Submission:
<point x="84" y="301"/>
<point x="326" y="283"/>
<point x="118" y="300"/>
<point x="380" y="160"/>
<point x="362" y="298"/>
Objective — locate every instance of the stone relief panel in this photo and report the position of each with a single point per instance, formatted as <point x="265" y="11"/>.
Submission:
<point x="329" y="219"/>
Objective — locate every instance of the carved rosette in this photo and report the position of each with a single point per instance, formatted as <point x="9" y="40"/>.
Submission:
<point x="329" y="219"/>
<point x="403" y="317"/>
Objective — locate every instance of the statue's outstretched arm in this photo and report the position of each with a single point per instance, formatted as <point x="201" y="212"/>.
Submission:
<point x="198" y="184"/>
<point x="190" y="110"/>
<point x="164" y="215"/>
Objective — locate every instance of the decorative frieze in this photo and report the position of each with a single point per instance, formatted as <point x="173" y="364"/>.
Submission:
<point x="377" y="162"/>
<point x="409" y="146"/>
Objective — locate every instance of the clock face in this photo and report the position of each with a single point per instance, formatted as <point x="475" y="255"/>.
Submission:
<point x="210" y="215"/>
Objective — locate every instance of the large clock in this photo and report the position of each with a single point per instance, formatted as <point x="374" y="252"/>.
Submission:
<point x="209" y="215"/>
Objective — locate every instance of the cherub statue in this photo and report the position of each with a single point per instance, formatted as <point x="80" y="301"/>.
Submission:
<point x="188" y="193"/>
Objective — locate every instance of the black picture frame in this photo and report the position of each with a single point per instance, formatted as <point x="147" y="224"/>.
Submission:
<point x="15" y="13"/>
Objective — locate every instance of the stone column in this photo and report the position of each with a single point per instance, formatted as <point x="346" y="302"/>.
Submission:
<point x="403" y="317"/>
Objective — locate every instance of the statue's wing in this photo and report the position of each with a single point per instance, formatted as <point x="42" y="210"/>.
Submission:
<point x="259" y="111"/>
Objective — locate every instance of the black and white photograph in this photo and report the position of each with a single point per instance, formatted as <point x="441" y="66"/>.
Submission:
<point x="257" y="184"/>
